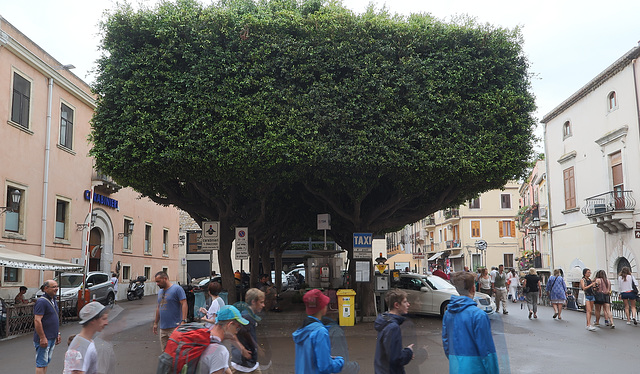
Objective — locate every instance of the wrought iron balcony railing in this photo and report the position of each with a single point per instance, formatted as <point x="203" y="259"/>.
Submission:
<point x="453" y="244"/>
<point x="611" y="201"/>
<point x="452" y="213"/>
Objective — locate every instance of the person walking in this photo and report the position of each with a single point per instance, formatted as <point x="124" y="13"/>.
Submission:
<point x="214" y="289"/>
<point x="513" y="281"/>
<point x="47" y="328"/>
<point x="312" y="342"/>
<point x="588" y="286"/>
<point x="532" y="291"/>
<point x="390" y="357"/>
<point x="603" y="299"/>
<point x="466" y="332"/>
<point x="499" y="288"/>
<point x="627" y="293"/>
<point x="171" y="310"/>
<point x="82" y="356"/>
<point x="244" y="358"/>
<point x="215" y="358"/>
<point x="485" y="282"/>
<point x="557" y="290"/>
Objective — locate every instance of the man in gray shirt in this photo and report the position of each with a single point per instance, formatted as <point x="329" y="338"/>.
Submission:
<point x="499" y="285"/>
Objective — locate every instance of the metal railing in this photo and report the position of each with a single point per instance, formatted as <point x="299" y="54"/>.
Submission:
<point x="453" y="244"/>
<point x="452" y="213"/>
<point x="609" y="202"/>
<point x="19" y="317"/>
<point x="617" y="305"/>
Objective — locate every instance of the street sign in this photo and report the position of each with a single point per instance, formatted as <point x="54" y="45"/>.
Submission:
<point x="481" y="245"/>
<point x="362" y="245"/>
<point x="324" y="221"/>
<point x="637" y="234"/>
<point x="242" y="243"/>
<point x="211" y="236"/>
<point x="637" y="225"/>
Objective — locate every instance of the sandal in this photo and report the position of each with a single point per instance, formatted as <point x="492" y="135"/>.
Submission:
<point x="530" y="313"/>
<point x="555" y="315"/>
<point x="535" y="316"/>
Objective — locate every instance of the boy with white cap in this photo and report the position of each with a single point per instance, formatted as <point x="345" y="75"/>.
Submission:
<point x="215" y="359"/>
<point x="81" y="357"/>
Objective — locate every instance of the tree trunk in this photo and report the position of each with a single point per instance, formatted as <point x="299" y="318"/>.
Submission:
<point x="278" y="268"/>
<point x="254" y="267"/>
<point x="224" y="259"/>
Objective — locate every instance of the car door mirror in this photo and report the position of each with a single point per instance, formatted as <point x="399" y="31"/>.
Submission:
<point x="424" y="289"/>
<point x="89" y="285"/>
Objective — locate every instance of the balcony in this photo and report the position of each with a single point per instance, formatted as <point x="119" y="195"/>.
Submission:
<point x="107" y="185"/>
<point x="453" y="244"/>
<point x="451" y="213"/>
<point x="529" y="217"/>
<point x="429" y="221"/>
<point x="611" y="211"/>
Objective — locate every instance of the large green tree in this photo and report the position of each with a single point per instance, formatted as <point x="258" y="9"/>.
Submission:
<point x="383" y="119"/>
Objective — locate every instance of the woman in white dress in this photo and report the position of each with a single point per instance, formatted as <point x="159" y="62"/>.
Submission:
<point x="513" y="281"/>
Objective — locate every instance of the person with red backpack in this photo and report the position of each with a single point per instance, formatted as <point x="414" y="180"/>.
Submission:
<point x="215" y="358"/>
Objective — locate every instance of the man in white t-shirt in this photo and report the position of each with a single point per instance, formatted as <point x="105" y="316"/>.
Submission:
<point x="215" y="358"/>
<point x="81" y="357"/>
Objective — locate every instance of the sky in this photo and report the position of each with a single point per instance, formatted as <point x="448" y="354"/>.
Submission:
<point x="567" y="42"/>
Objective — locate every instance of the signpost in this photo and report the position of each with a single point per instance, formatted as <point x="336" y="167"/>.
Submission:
<point x="362" y="246"/>
<point x="211" y="236"/>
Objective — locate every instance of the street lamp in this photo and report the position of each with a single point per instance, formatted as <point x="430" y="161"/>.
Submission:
<point x="15" y="202"/>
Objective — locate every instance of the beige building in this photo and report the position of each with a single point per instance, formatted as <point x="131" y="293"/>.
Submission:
<point x="593" y="167"/>
<point x="44" y="127"/>
<point x="449" y="237"/>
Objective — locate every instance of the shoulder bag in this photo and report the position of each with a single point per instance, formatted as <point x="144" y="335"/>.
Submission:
<point x="600" y="297"/>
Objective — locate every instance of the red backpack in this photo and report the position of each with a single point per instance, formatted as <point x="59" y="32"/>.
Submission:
<point x="183" y="350"/>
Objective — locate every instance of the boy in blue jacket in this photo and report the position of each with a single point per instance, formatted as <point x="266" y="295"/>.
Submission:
<point x="313" y="346"/>
<point x="390" y="356"/>
<point x="466" y="332"/>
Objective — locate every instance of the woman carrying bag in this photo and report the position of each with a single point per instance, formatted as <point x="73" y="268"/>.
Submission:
<point x="557" y="290"/>
<point x="626" y="285"/>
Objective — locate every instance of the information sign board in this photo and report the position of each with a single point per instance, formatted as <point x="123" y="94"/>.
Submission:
<point x="242" y="243"/>
<point x="211" y="236"/>
<point x="362" y="245"/>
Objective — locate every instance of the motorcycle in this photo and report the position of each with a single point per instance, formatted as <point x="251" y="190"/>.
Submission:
<point x="136" y="288"/>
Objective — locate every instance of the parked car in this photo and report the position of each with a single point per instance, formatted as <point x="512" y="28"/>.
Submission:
<point x="285" y="281"/>
<point x="98" y="283"/>
<point x="293" y="278"/>
<point x="429" y="294"/>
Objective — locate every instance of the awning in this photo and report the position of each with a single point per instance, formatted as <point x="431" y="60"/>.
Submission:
<point x="21" y="260"/>
<point x="436" y="256"/>
<point x="457" y="256"/>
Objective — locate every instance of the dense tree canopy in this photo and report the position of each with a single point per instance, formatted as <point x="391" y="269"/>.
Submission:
<point x="382" y="119"/>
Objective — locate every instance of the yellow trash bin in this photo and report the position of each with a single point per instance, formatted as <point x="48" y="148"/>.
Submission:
<point x="346" y="307"/>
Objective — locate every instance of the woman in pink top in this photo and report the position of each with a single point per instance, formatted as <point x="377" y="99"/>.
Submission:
<point x="604" y="286"/>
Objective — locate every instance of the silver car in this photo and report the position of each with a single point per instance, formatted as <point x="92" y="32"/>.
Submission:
<point x="98" y="283"/>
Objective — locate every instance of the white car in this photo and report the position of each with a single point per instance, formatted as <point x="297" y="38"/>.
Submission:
<point x="98" y="283"/>
<point x="285" y="281"/>
<point x="429" y="294"/>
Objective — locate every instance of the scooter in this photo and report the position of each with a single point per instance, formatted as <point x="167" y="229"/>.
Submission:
<point x="136" y="288"/>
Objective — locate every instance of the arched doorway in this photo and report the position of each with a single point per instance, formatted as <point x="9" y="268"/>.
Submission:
<point x="622" y="262"/>
<point x="95" y="249"/>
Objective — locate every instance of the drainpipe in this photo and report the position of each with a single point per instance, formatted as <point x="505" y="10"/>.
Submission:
<point x="548" y="174"/>
<point x="635" y="86"/>
<point x="45" y="186"/>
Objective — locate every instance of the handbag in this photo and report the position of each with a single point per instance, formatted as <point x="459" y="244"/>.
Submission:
<point x="634" y="288"/>
<point x="600" y="297"/>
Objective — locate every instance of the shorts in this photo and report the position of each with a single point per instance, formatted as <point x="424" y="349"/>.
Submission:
<point x="589" y="297"/>
<point x="629" y="295"/>
<point x="43" y="355"/>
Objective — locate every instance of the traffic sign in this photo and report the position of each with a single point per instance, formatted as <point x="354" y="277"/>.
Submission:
<point x="481" y="245"/>
<point x="362" y="245"/>
<point x="242" y="243"/>
<point x="211" y="236"/>
<point x="637" y="234"/>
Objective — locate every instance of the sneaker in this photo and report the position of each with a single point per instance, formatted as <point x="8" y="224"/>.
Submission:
<point x="634" y="321"/>
<point x="505" y="312"/>
<point x="596" y="324"/>
<point x="628" y="323"/>
<point x="555" y="315"/>
<point x="613" y="326"/>
<point x="591" y="328"/>
<point x="606" y="322"/>
<point x="531" y="313"/>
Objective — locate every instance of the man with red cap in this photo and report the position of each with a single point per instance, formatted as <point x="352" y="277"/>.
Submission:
<point x="313" y="346"/>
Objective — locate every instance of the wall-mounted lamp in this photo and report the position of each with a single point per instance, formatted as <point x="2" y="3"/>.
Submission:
<point x="15" y="202"/>
<point x="129" y="231"/>
<point x="82" y="226"/>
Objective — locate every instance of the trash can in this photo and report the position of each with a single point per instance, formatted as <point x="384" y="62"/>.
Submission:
<point x="346" y="307"/>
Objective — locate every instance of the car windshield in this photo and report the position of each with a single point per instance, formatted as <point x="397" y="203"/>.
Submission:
<point x="437" y="283"/>
<point x="70" y="281"/>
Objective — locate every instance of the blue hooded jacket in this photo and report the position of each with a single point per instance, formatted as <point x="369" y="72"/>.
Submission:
<point x="313" y="349"/>
<point x="390" y="356"/>
<point x="466" y="338"/>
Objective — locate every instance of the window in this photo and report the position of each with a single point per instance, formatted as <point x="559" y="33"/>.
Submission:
<point x="126" y="272"/>
<point x="66" y="126"/>
<point x="569" y="189"/>
<point x="165" y="242"/>
<point x="566" y="130"/>
<point x="166" y="270"/>
<point x="14" y="219"/>
<point x="475" y="229"/>
<point x="126" y="239"/>
<point x="505" y="201"/>
<point x="11" y="275"/>
<point x="615" y="160"/>
<point x="21" y="100"/>
<point x="507" y="229"/>
<point x="147" y="272"/>
<point x="147" y="239"/>
<point x="476" y="261"/>
<point x="474" y="203"/>
<point x="612" y="101"/>
<point x="508" y="260"/>
<point x="440" y="236"/>
<point x="62" y="219"/>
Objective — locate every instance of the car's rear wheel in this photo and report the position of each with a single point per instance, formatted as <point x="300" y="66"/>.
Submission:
<point x="111" y="298"/>
<point x="443" y="308"/>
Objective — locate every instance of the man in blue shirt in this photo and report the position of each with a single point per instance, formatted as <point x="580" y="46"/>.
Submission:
<point x="171" y="310"/>
<point x="46" y="335"/>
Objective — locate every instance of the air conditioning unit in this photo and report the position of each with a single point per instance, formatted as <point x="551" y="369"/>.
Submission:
<point x="543" y="211"/>
<point x="75" y="261"/>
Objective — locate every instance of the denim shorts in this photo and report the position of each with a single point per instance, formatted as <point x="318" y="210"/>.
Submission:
<point x="628" y="295"/>
<point x="43" y="355"/>
<point x="590" y="297"/>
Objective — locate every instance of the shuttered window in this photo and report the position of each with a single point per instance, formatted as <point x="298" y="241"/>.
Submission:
<point x="475" y="229"/>
<point x="507" y="229"/>
<point x="569" y="189"/>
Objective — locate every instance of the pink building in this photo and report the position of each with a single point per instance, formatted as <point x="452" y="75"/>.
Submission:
<point x="44" y="126"/>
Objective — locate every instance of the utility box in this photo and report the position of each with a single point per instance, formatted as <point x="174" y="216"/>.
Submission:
<point x="346" y="307"/>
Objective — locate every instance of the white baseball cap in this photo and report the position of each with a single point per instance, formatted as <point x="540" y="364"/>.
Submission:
<point x="90" y="311"/>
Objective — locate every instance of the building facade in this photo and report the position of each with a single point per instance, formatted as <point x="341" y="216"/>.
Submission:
<point x="593" y="167"/>
<point x="449" y="237"/>
<point x="44" y="126"/>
